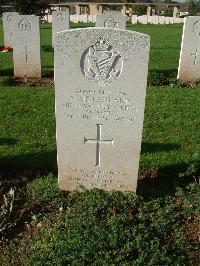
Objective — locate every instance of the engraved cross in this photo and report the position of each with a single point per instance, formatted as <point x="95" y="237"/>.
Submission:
<point x="98" y="142"/>
<point x="26" y="52"/>
<point x="195" y="56"/>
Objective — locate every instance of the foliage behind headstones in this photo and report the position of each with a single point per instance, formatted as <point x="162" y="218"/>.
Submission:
<point x="31" y="7"/>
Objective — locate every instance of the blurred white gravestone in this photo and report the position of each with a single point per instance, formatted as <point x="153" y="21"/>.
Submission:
<point x="26" y="46"/>
<point x="167" y="20"/>
<point x="100" y="88"/>
<point x="111" y="20"/>
<point x="60" y="21"/>
<point x="171" y="20"/>
<point x="155" y="20"/>
<point x="134" y="19"/>
<point x="161" y="20"/>
<point x="8" y="17"/>
<point x="149" y="19"/>
<point x="143" y="19"/>
<point x="189" y="62"/>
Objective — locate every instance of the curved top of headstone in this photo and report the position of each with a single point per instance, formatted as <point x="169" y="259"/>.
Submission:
<point x="95" y="43"/>
<point x="111" y="20"/>
<point x="115" y="36"/>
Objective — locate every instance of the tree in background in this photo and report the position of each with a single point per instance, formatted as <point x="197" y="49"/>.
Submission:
<point x="36" y="7"/>
<point x="194" y="8"/>
<point x="140" y="10"/>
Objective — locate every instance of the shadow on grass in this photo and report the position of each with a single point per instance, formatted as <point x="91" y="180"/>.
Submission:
<point x="172" y="72"/>
<point x="47" y="72"/>
<point x="28" y="165"/>
<point x="151" y="182"/>
<point x="47" y="48"/>
<point x="161" y="77"/>
<point x="8" y="141"/>
<point x="162" y="181"/>
<point x="7" y="71"/>
<point x="158" y="147"/>
<point x="78" y="26"/>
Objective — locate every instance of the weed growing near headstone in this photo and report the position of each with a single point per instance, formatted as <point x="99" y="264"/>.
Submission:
<point x="101" y="228"/>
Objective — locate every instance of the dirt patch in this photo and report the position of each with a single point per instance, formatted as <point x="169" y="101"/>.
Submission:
<point x="32" y="82"/>
<point x="193" y="231"/>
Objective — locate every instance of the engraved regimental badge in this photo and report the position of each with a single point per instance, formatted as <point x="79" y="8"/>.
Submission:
<point x="25" y="24"/>
<point x="60" y="17"/>
<point x="196" y="28"/>
<point x="101" y="63"/>
<point x="111" y="23"/>
<point x="9" y="17"/>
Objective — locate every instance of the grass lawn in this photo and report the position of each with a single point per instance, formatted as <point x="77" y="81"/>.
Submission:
<point x="164" y="54"/>
<point x="41" y="225"/>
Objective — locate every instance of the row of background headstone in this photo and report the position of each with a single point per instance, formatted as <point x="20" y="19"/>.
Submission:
<point x="25" y="31"/>
<point x="145" y="19"/>
<point x="155" y="20"/>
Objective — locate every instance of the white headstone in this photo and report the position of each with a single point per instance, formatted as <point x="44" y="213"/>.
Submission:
<point x="26" y="46"/>
<point x="50" y="17"/>
<point x="143" y="19"/>
<point x="111" y="20"/>
<point x="90" y="18"/>
<point x="60" y="21"/>
<point x="171" y="19"/>
<point x="161" y="20"/>
<point x="177" y="20"/>
<point x="149" y="19"/>
<point x="189" y="62"/>
<point x="94" y="18"/>
<point x="100" y="87"/>
<point x="8" y="17"/>
<point x="83" y="18"/>
<point x="167" y="20"/>
<point x="134" y="19"/>
<point x="76" y="18"/>
<point x="155" y="20"/>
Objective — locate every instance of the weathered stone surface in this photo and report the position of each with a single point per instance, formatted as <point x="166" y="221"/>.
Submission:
<point x="100" y="87"/>
<point x="111" y="20"/>
<point x="26" y="46"/>
<point x="60" y="21"/>
<point x="8" y="17"/>
<point x="189" y="63"/>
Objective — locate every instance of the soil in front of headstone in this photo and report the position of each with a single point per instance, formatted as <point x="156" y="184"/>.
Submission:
<point x="32" y="82"/>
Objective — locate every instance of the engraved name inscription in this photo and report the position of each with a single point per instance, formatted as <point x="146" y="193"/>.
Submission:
<point x="98" y="178"/>
<point x="100" y="105"/>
